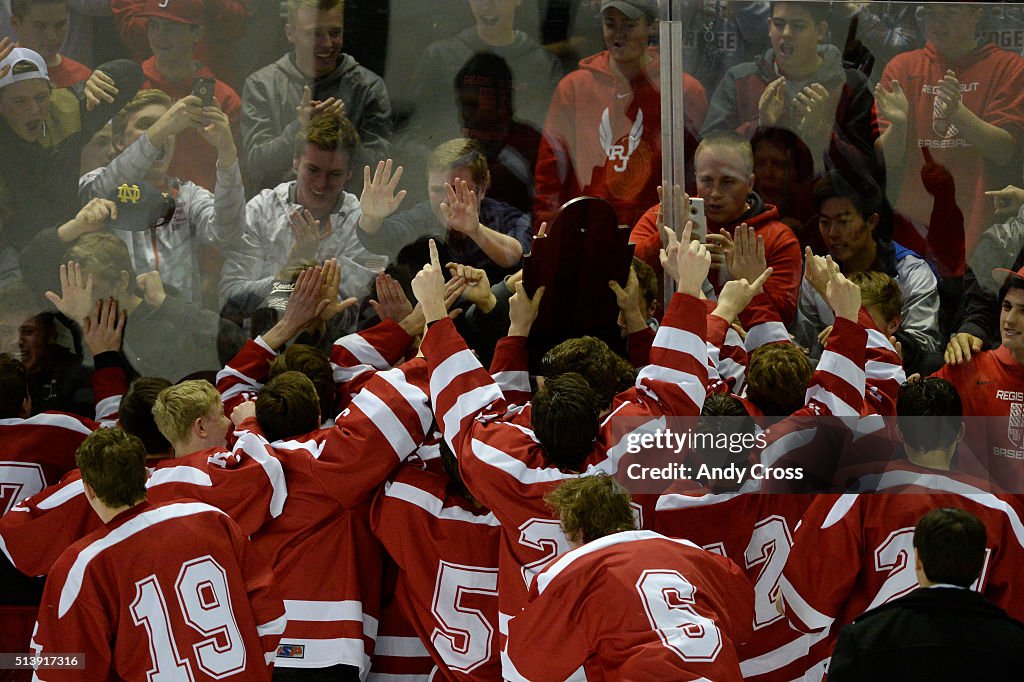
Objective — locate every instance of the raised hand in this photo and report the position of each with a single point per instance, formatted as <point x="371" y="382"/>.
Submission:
<point x="949" y="97"/>
<point x="771" y="107"/>
<point x="305" y="234"/>
<point x="670" y="252"/>
<point x="892" y="104"/>
<point x="842" y="294"/>
<point x="737" y="295"/>
<point x="721" y="247"/>
<point x="462" y="209"/>
<point x="391" y="303"/>
<point x="379" y="199"/>
<point x="478" y="287"/>
<point x="428" y="287"/>
<point x="99" y="88"/>
<point x="631" y="302"/>
<point x="522" y="310"/>
<point x="306" y="302"/>
<point x="75" y="298"/>
<point x="816" y="271"/>
<point x="692" y="263"/>
<point x="103" y="328"/>
<point x="747" y="256"/>
<point x="309" y="108"/>
<point x="1007" y="201"/>
<point x="216" y="131"/>
<point x="329" y="291"/>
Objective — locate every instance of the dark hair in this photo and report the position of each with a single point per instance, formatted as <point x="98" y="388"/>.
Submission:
<point x="862" y="191"/>
<point x="951" y="545"/>
<point x="310" y="361"/>
<point x="19" y="8"/>
<point x="113" y="463"/>
<point x="565" y="419"/>
<point x="929" y="414"/>
<point x="819" y="11"/>
<point x="451" y="467"/>
<point x="13" y="386"/>
<point x="287" y="406"/>
<point x="777" y="377"/>
<point x="135" y="413"/>
<point x="486" y="70"/>
<point x="800" y="153"/>
<point x="607" y="372"/>
<point x="1012" y="282"/>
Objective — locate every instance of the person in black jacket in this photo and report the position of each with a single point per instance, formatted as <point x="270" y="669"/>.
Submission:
<point x="943" y="630"/>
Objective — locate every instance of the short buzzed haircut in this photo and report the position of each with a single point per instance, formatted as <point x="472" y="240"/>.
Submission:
<point x="591" y="507"/>
<point x="179" y="406"/>
<point x="319" y="5"/>
<point x="113" y="463"/>
<point x="727" y="140"/>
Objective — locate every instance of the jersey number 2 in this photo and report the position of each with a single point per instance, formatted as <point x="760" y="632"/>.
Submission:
<point x="202" y="593"/>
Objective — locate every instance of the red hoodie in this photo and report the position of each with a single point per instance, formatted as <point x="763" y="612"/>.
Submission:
<point x="602" y="137"/>
<point x="992" y="87"/>
<point x="781" y="249"/>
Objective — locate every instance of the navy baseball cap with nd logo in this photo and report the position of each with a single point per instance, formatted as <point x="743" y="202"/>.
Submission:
<point x="140" y="206"/>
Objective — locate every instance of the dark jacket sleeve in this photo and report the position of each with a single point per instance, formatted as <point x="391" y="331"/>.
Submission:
<point x="127" y="76"/>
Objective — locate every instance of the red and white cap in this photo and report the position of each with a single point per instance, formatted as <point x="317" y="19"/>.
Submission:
<point x="23" y="54"/>
<point x="1000" y="275"/>
<point x="181" y="11"/>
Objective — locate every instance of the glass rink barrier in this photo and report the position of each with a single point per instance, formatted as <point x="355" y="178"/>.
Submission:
<point x="365" y="283"/>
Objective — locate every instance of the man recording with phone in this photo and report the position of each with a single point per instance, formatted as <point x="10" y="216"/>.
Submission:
<point x="175" y="27"/>
<point x="724" y="165"/>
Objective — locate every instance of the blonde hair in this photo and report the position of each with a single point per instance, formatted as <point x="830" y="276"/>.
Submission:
<point x="319" y="5"/>
<point x="177" y="407"/>
<point x="458" y="153"/>
<point x="729" y="141"/>
<point x="879" y="291"/>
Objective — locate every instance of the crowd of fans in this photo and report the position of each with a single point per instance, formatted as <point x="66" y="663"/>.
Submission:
<point x="223" y="264"/>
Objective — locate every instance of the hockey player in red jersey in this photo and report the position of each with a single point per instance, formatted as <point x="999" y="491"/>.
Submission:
<point x="446" y="546"/>
<point x="510" y="458"/>
<point x="627" y="604"/>
<point x="862" y="542"/>
<point x="172" y="588"/>
<point x="37" y="450"/>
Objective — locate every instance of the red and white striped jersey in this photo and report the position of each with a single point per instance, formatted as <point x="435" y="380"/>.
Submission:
<point x="503" y="464"/>
<point x="246" y="482"/>
<point x="324" y="530"/>
<point x="172" y="589"/>
<point x="36" y="452"/>
<point x="811" y="439"/>
<point x="756" y="532"/>
<point x="854" y="552"/>
<point x="108" y="387"/>
<point x="447" y="553"/>
<point x="679" y="613"/>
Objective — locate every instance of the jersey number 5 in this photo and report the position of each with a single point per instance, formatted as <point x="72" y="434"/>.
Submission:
<point x="202" y="594"/>
<point x="465" y="637"/>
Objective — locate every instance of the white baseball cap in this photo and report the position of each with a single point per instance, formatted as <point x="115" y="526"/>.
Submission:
<point x="23" y="54"/>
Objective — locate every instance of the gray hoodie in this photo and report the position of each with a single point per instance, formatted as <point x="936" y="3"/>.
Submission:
<point x="269" y="123"/>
